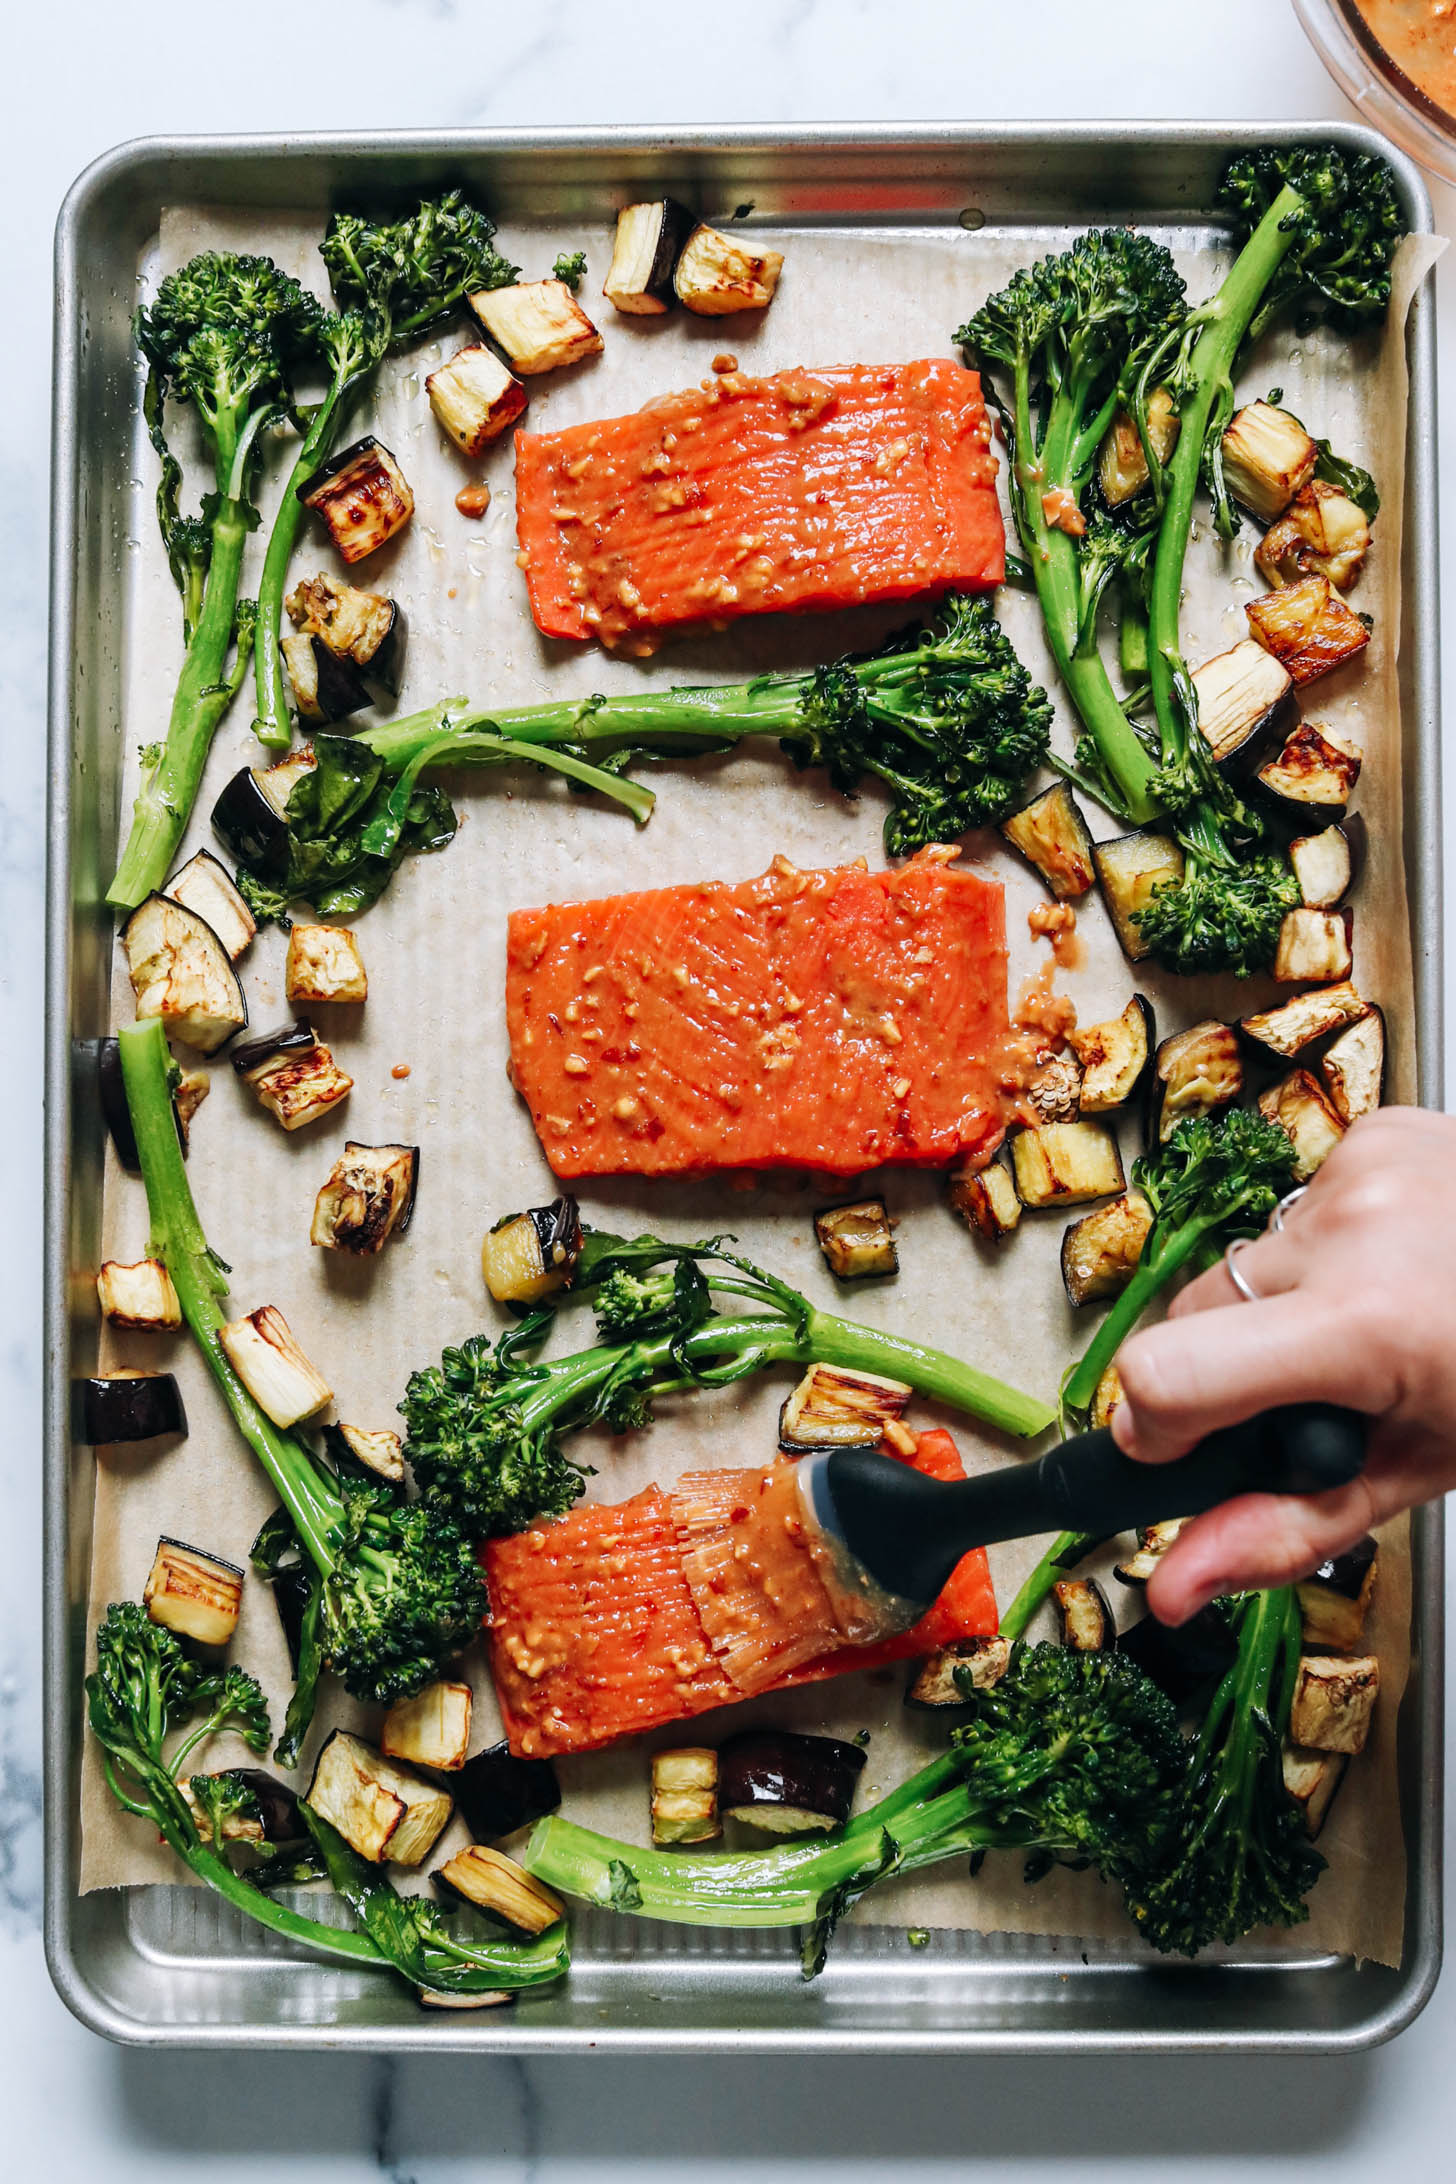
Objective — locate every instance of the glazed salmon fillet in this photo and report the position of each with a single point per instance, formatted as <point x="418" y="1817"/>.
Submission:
<point x="595" y="1632"/>
<point x="804" y="489"/>
<point x="833" y="1020"/>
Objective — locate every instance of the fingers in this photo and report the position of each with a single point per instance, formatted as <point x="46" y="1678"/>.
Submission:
<point x="1270" y="1265"/>
<point x="1208" y="1369"/>
<point x="1259" y="1540"/>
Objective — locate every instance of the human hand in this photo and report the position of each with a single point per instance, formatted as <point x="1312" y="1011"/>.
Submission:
<point x="1357" y="1306"/>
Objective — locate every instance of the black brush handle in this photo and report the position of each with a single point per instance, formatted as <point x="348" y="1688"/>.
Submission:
<point x="909" y="1531"/>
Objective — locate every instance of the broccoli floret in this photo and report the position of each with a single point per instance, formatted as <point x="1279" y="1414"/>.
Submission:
<point x="571" y="268"/>
<point x="472" y="1450"/>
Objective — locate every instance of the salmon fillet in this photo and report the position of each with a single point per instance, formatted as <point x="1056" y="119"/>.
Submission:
<point x="833" y="1020"/>
<point x="805" y="489"/>
<point x="595" y="1634"/>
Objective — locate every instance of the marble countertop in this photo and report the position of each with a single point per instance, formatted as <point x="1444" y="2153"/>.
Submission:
<point x="80" y="78"/>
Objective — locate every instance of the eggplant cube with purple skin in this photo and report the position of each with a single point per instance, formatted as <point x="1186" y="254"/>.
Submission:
<point x="538" y="325"/>
<point x="293" y="1074"/>
<point x="475" y="398"/>
<point x="986" y="1199"/>
<point x="196" y="1595"/>
<point x="141" y="1296"/>
<point x="1300" y="1109"/>
<point x="362" y="496"/>
<point x="367" y="1197"/>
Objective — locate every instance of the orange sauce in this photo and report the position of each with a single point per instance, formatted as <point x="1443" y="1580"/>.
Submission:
<point x="1420" y="37"/>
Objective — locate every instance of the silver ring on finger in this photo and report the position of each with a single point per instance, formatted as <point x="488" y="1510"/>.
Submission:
<point x="1236" y="1273"/>
<point x="1286" y="1203"/>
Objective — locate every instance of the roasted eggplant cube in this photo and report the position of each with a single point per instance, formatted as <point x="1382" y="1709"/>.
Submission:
<point x="1334" y="1702"/>
<point x="1114" y="1056"/>
<point x="685" y="1796"/>
<point x="1054" y="1094"/>
<point x="203" y="886"/>
<point x="786" y="1783"/>
<point x="856" y="1240"/>
<point x="834" y="1408"/>
<point x="1182" y="1660"/>
<point x="1296" y="1024"/>
<point x="1153" y="1542"/>
<point x="1314" y="948"/>
<point x="1246" y="704"/>
<point x="130" y="1406"/>
<point x="181" y="971"/>
<point x="1122" y="463"/>
<point x="138" y="1296"/>
<point x="1324" y="866"/>
<point x="1306" y="1117"/>
<point x="382" y="1810"/>
<point x="367" y="1197"/>
<point x="465" y="1998"/>
<point x="362" y="496"/>
<point x="648" y="243"/>
<point x="1308" y="627"/>
<point x="1087" y="1621"/>
<point x="1310" y="779"/>
<point x="1101" y="1251"/>
<point x="715" y="275"/>
<point x="377" y="1450"/>
<point x="1066" y="1163"/>
<point x="1311" y="1779"/>
<point x="249" y="816"/>
<point x="1051" y="834"/>
<point x="498" y="1793"/>
<point x="495" y="1883"/>
<point x="430" y="1730"/>
<point x="274" y="1818"/>
<point x="324" y="689"/>
<point x="986" y="1198"/>
<point x="1106" y="1399"/>
<point x="1321" y="533"/>
<point x="324" y="964"/>
<point x="1353" y="1068"/>
<point x="195" y="1594"/>
<point x="1131" y="870"/>
<point x="946" y="1679"/>
<point x="538" y="325"/>
<point x="1267" y="458"/>
<point x="475" y="397"/>
<point x="273" y="1369"/>
<point x="188" y="1094"/>
<point x="362" y="627"/>
<point x="531" y="1255"/>
<point x="1194" y="1073"/>
<point x="1335" y="1599"/>
<point x="296" y="1079"/>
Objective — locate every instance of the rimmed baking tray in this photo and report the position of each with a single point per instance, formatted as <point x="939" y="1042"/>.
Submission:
<point x="174" y="1964"/>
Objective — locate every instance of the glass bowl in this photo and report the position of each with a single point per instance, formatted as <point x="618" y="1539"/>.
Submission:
<point x="1385" y="95"/>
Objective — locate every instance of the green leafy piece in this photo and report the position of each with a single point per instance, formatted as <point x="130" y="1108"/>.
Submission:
<point x="571" y="268"/>
<point x="1351" y="479"/>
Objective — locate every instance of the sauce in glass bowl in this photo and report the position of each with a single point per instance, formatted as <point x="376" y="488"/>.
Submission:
<point x="1419" y="36"/>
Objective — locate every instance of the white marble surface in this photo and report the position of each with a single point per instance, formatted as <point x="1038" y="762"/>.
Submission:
<point x="80" y="77"/>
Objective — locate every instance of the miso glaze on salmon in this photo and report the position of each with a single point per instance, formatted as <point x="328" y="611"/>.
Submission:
<point x="830" y="1020"/>
<point x="804" y="489"/>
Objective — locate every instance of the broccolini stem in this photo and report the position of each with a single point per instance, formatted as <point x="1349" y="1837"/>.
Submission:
<point x="178" y="1240"/>
<point x="440" y="738"/>
<point x="274" y="723"/>
<point x="1152" y="1275"/>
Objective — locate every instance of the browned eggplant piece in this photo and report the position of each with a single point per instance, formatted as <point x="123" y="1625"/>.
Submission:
<point x="1296" y="1024"/>
<point x="195" y="1594"/>
<point x="1314" y="947"/>
<point x="141" y="1296"/>
<point x="1308" y="627"/>
<point x="1312" y="1778"/>
<point x="1114" y="1057"/>
<point x="648" y="243"/>
<point x="1153" y="1542"/>
<point x="1335" y="1599"/>
<point x="381" y="1810"/>
<point x="1268" y="457"/>
<point x="495" y="1883"/>
<point x="1130" y="871"/>
<point x="1087" y="1620"/>
<point x="1324" y="866"/>
<point x="1051" y="834"/>
<point x="1307" y="1119"/>
<point x="1321" y="533"/>
<point x="1196" y="1072"/>
<point x="1054" y="1094"/>
<point x="126" y="1407"/>
<point x="1310" y="779"/>
<point x="1246" y="704"/>
<point x="940" y="1680"/>
<point x="1100" y="1252"/>
<point x="685" y="1795"/>
<point x="1122" y="463"/>
<point x="537" y="325"/>
<point x="1066" y="1164"/>
<point x="249" y="817"/>
<point x="1354" y="1068"/>
<point x="498" y="1793"/>
<point x="1334" y="1703"/>
<point x="274" y="1370"/>
<point x="204" y="887"/>
<point x="856" y="1240"/>
<point x="475" y="397"/>
<point x="432" y="1729"/>
<point x="1106" y="1399"/>
<point x="293" y="1074"/>
<point x="716" y="274"/>
<point x="377" y="1449"/>
<point x="181" y="971"/>
<point x="367" y="1197"/>
<point x="1184" y="1661"/>
<point x="530" y="1255"/>
<point x="324" y="689"/>
<point x="787" y="1783"/>
<point x="986" y="1198"/>
<point x="834" y="1408"/>
<point x="323" y="964"/>
<point x="362" y="628"/>
<point x="362" y="496"/>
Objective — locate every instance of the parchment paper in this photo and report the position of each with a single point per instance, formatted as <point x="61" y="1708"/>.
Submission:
<point x="434" y="948"/>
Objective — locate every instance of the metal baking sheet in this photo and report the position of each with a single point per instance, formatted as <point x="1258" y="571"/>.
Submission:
<point x="175" y="1964"/>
